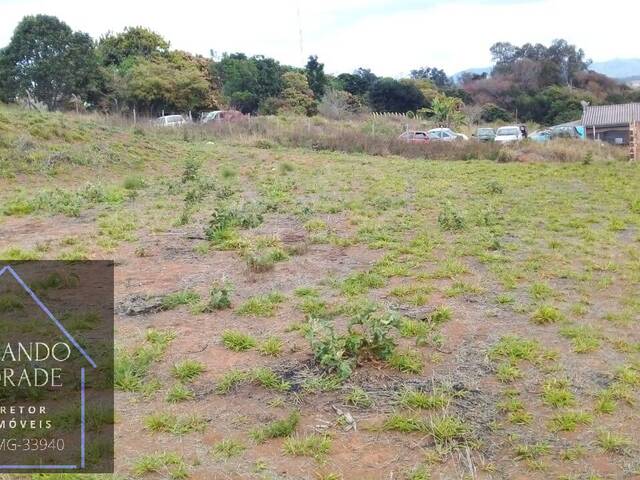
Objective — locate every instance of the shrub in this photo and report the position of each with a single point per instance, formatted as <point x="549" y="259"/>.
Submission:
<point x="450" y="218"/>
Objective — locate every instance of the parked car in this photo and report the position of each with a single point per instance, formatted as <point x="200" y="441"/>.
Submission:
<point x="446" y="135"/>
<point x="541" y="136"/>
<point x="219" y="116"/>
<point x="485" y="134"/>
<point x="512" y="133"/>
<point x="169" y="121"/>
<point x="565" y="131"/>
<point x="415" y="137"/>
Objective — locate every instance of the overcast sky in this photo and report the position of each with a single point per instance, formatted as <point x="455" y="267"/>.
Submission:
<point x="389" y="36"/>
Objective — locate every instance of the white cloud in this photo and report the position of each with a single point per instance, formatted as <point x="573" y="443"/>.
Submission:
<point x="389" y="37"/>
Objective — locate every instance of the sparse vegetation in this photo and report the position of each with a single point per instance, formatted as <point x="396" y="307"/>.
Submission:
<point x="468" y="313"/>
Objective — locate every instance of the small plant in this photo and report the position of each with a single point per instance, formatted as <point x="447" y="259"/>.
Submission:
<point x="493" y="186"/>
<point x="547" y="314"/>
<point x="584" y="338"/>
<point x="532" y="452"/>
<point x="228" y="448"/>
<point x="508" y="372"/>
<point x="167" y="423"/>
<point x="440" y="315"/>
<point x="316" y="446"/>
<point x="361" y="282"/>
<point x="516" y="348"/>
<point x="134" y="183"/>
<point x="555" y="393"/>
<point x="187" y="370"/>
<point x="157" y="462"/>
<point x="359" y="398"/>
<point x="174" y="300"/>
<point x="399" y="422"/>
<point x="612" y="442"/>
<point x="277" y="429"/>
<point x="269" y="379"/>
<point x="237" y="341"/>
<point x="271" y="347"/>
<point x="569" y="421"/>
<point x="219" y="297"/>
<point x="406" y="362"/>
<point x="262" y="305"/>
<point x="179" y="393"/>
<point x="450" y="218"/>
<point x="230" y="380"/>
<point x="447" y="429"/>
<point x="417" y="399"/>
<point x="541" y="291"/>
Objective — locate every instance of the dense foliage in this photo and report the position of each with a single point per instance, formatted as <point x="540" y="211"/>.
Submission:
<point x="47" y="63"/>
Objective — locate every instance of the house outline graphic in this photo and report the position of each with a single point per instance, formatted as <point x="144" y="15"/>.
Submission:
<point x="74" y="342"/>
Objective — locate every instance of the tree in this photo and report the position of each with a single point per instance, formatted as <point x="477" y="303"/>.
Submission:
<point x="132" y="42"/>
<point x="339" y="104"/>
<point x="173" y="83"/>
<point x="446" y="111"/>
<point x="357" y="83"/>
<point x="315" y="76"/>
<point x="49" y="61"/>
<point x="247" y="82"/>
<point x="390" y="95"/>
<point x="297" y="97"/>
<point x="493" y="113"/>
<point x="436" y="75"/>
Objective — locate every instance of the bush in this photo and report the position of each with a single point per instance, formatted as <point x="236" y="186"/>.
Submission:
<point x="450" y="218"/>
<point x="368" y="337"/>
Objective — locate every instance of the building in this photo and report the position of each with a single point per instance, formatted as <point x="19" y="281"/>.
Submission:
<point x="611" y="123"/>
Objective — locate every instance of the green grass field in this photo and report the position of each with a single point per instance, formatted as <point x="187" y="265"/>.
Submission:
<point x="344" y="316"/>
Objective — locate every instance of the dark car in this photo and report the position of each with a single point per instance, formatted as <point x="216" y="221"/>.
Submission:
<point x="415" y="137"/>
<point x="565" y="131"/>
<point x="485" y="134"/>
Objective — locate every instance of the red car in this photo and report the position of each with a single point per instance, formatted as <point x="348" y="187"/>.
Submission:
<point x="415" y="137"/>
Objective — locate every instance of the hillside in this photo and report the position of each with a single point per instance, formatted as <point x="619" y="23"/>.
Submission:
<point x="294" y="313"/>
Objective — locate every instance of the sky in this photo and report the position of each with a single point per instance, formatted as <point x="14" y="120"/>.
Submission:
<point x="391" y="37"/>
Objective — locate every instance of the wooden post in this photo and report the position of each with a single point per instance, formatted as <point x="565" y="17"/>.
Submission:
<point x="634" y="141"/>
<point x="134" y="115"/>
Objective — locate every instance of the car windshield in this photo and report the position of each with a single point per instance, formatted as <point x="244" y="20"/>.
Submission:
<point x="485" y="131"/>
<point x="174" y="118"/>
<point x="508" y="131"/>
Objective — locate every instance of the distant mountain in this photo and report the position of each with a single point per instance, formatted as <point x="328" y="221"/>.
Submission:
<point x="475" y="71"/>
<point x="618" y="68"/>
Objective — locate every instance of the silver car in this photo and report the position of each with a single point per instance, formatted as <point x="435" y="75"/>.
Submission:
<point x="170" y="121"/>
<point x="446" y="135"/>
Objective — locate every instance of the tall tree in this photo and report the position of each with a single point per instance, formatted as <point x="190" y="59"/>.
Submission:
<point x="297" y="96"/>
<point x="436" y="75"/>
<point x="390" y="95"/>
<point x="357" y="83"/>
<point x="49" y="61"/>
<point x="315" y="76"/>
<point x="132" y="42"/>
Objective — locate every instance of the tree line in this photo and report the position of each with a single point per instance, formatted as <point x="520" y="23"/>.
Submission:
<point x="47" y="62"/>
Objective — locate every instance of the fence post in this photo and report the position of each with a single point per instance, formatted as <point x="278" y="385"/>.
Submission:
<point x="134" y="115"/>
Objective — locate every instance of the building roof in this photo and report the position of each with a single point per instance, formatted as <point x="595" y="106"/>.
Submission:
<point x="610" y="115"/>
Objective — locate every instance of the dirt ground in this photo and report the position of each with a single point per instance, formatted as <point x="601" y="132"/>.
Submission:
<point x="543" y="253"/>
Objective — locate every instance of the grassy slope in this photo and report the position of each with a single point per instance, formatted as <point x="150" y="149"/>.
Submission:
<point x="530" y="236"/>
